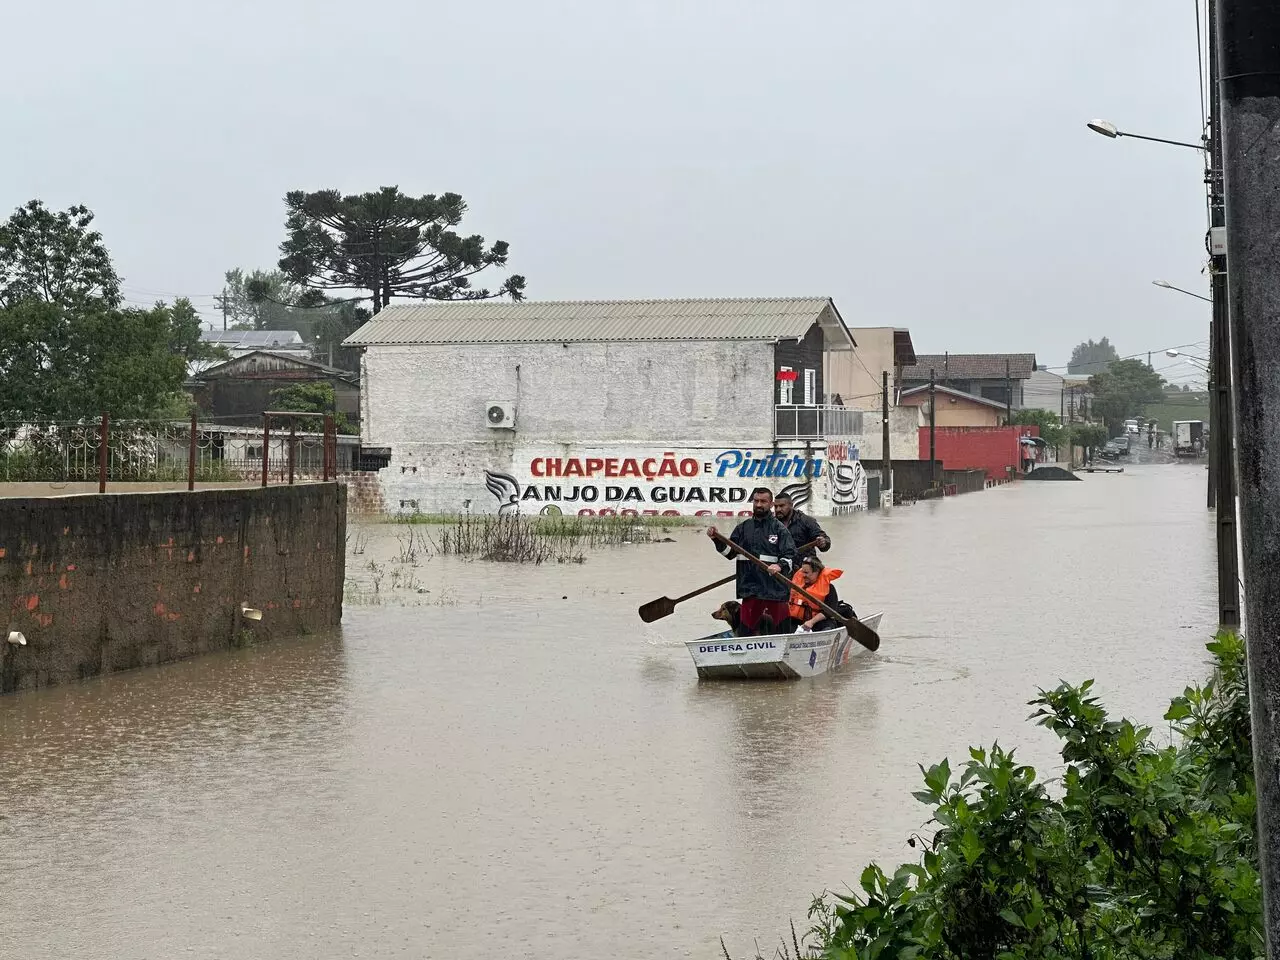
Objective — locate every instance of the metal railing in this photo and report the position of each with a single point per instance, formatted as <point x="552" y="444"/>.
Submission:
<point x="169" y="451"/>
<point x="799" y="422"/>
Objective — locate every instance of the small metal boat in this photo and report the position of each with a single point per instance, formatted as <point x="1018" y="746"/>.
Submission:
<point x="723" y="656"/>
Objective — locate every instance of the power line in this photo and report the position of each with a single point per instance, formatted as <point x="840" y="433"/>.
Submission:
<point x="1136" y="356"/>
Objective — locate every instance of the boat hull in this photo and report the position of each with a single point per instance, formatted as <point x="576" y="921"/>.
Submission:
<point x="794" y="656"/>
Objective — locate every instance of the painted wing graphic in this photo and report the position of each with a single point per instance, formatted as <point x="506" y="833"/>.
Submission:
<point x="505" y="488"/>
<point x="798" y="492"/>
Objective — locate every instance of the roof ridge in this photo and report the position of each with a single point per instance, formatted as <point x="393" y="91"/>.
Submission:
<point x="417" y="304"/>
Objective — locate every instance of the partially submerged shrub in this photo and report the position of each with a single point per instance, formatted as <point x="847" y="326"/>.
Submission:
<point x="1149" y="852"/>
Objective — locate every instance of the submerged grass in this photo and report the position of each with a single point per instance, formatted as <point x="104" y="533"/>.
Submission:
<point x="517" y="539"/>
<point x="449" y="519"/>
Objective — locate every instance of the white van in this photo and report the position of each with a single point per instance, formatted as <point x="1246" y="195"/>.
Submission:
<point x="1131" y="426"/>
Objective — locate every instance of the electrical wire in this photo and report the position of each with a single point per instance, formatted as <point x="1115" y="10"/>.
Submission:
<point x="1138" y="356"/>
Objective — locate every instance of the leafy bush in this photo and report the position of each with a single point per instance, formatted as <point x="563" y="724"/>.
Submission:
<point x="1147" y="851"/>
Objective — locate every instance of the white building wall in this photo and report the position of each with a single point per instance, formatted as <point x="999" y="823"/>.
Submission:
<point x="904" y="436"/>
<point x="624" y="414"/>
<point x="1043" y="392"/>
<point x="856" y="374"/>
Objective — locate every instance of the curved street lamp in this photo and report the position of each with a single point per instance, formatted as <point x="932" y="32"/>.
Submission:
<point x="1189" y="357"/>
<point x="1169" y="286"/>
<point x="1109" y="130"/>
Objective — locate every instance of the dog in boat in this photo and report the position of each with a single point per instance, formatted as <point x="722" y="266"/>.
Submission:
<point x="731" y="613"/>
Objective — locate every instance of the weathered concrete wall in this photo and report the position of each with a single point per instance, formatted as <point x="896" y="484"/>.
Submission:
<point x="856" y="374"/>
<point x="904" y="434"/>
<point x="421" y="396"/>
<point x="105" y="583"/>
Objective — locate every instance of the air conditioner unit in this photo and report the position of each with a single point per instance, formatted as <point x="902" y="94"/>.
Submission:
<point x="500" y="414"/>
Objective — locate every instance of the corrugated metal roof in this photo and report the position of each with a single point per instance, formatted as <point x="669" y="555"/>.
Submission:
<point x="252" y="338"/>
<point x="582" y="321"/>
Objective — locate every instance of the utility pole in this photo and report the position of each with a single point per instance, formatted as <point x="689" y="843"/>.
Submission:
<point x="1008" y="394"/>
<point x="886" y="461"/>
<point x="1071" y="433"/>
<point x="1062" y="419"/>
<point x="1222" y="468"/>
<point x="933" y="420"/>
<point x="224" y="309"/>
<point x="1248" y="45"/>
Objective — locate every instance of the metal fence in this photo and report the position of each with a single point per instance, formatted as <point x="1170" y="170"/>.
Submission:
<point x="797" y="422"/>
<point x="284" y="447"/>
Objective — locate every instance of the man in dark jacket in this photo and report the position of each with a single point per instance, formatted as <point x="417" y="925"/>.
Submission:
<point x="802" y="527"/>
<point x="764" y="600"/>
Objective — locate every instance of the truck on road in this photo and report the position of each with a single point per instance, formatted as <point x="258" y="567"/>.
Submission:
<point x="1188" y="438"/>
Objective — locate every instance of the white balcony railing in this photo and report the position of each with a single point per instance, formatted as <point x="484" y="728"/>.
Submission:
<point x="799" y="422"/>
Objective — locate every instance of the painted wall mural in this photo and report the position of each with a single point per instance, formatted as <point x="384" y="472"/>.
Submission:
<point x="846" y="479"/>
<point x="668" y="484"/>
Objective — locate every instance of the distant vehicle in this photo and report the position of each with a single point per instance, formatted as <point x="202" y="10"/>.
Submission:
<point x="1188" y="438"/>
<point x="1115" y="448"/>
<point x="1131" y="426"/>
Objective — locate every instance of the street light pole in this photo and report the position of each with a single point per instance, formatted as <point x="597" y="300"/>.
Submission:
<point x="1249" y="61"/>
<point x="1169" y="286"/>
<point x="1222" y="472"/>
<point x="1108" y="129"/>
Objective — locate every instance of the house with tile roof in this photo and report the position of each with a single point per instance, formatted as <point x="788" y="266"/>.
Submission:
<point x="989" y="376"/>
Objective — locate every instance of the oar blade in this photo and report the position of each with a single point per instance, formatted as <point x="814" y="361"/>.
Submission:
<point x="863" y="634"/>
<point x="657" y="609"/>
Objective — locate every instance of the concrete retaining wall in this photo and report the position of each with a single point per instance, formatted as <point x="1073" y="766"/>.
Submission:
<point x="98" y="584"/>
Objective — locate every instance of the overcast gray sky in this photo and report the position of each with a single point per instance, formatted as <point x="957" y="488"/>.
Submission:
<point x="923" y="162"/>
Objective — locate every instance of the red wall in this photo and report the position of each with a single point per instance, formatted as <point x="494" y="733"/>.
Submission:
<point x="992" y="449"/>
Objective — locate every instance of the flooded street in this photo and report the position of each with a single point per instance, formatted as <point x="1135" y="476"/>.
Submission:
<point x="511" y="764"/>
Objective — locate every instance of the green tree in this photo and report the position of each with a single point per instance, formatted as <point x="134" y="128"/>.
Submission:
<point x="67" y="349"/>
<point x="1050" y="426"/>
<point x="1090" y="358"/>
<point x="388" y="245"/>
<point x="1123" y="390"/>
<point x="54" y="258"/>
<point x="74" y="362"/>
<point x="259" y="300"/>
<point x="316" y="396"/>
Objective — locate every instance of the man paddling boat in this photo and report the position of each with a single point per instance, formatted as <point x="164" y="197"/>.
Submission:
<point x="802" y="527"/>
<point x="764" y="600"/>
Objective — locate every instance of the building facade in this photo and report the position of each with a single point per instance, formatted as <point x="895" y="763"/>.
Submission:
<point x="856" y="376"/>
<point x="1045" y="390"/>
<point x="991" y="376"/>
<point x="628" y="407"/>
<point x="243" y="387"/>
<point x="953" y="408"/>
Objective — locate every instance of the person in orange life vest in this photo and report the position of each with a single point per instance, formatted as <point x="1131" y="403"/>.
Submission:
<point x="817" y="580"/>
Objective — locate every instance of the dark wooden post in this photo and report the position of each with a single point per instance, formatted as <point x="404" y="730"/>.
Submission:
<point x="104" y="435"/>
<point x="292" y="442"/>
<point x="266" y="445"/>
<point x="191" y="455"/>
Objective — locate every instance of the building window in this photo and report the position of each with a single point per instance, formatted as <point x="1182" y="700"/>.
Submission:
<point x="810" y="387"/>
<point x="998" y="394"/>
<point x="786" y="388"/>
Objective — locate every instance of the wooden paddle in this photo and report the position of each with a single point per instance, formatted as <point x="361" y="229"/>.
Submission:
<point x="857" y="629"/>
<point x="665" y="606"/>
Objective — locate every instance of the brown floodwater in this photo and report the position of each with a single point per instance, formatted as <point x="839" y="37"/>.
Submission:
<point x="501" y="761"/>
